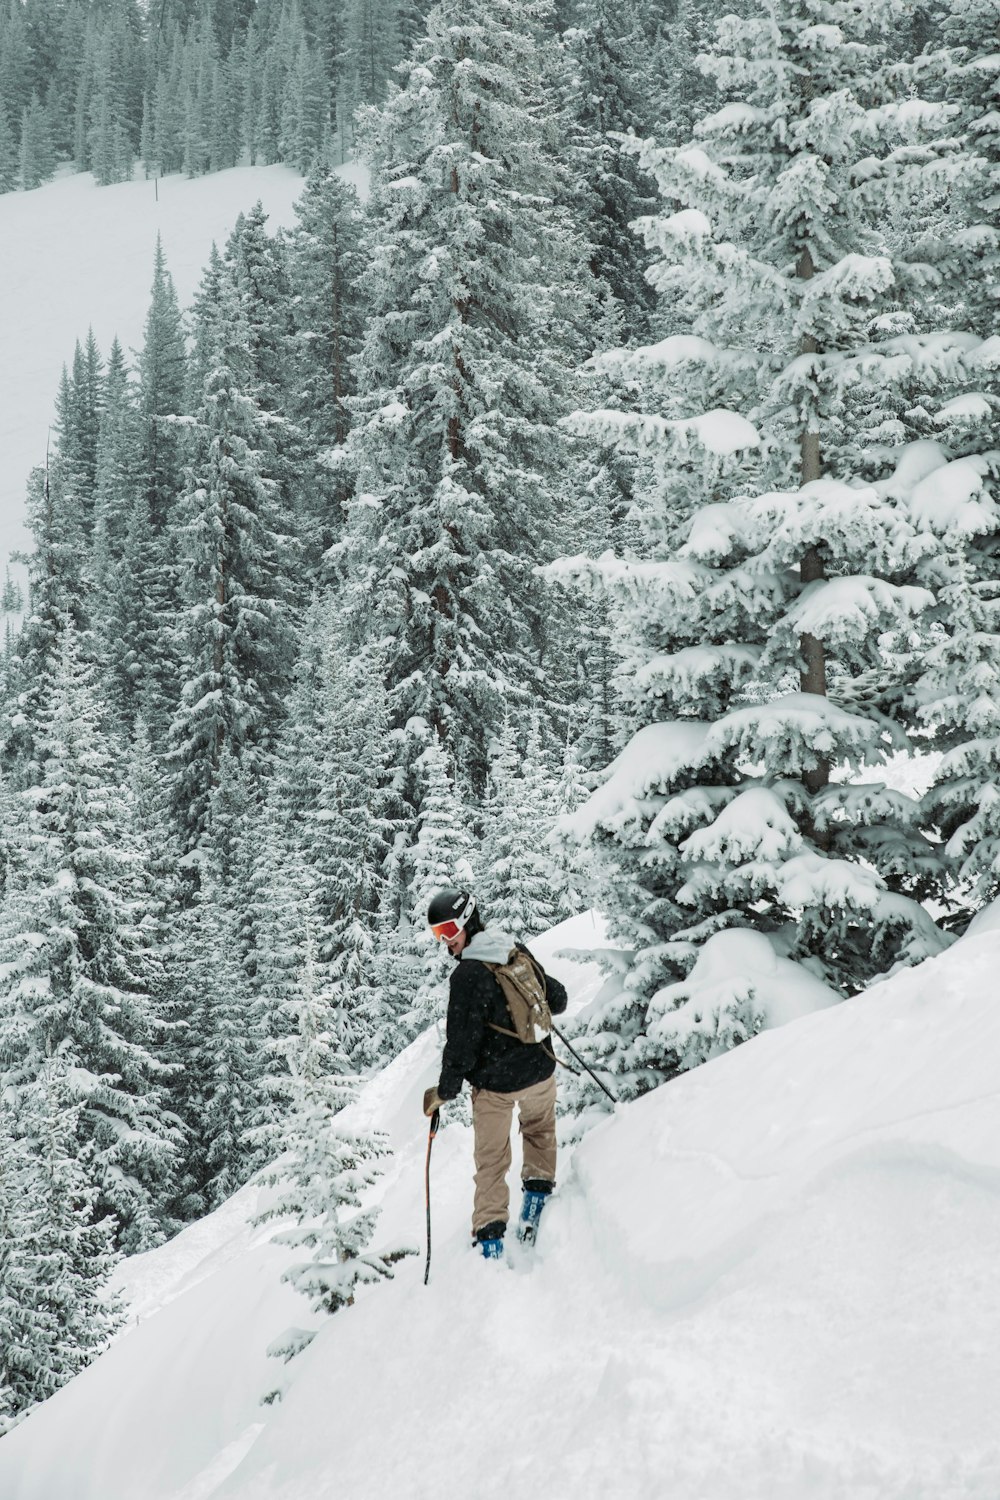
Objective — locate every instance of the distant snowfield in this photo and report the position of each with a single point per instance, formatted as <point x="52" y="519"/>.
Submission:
<point x="75" y="256"/>
<point x="772" y="1279"/>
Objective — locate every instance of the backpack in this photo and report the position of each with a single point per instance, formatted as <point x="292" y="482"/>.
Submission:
<point x="522" y="981"/>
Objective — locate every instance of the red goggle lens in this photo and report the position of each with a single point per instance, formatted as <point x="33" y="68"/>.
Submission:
<point x="446" y="930"/>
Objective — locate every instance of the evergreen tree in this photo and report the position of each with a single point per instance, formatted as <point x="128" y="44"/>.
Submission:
<point x="78" y="964"/>
<point x="9" y="165"/>
<point x="324" y="1171"/>
<point x="162" y="378"/>
<point x="27" y="1329"/>
<point x="37" y="161"/>
<point x="441" y="856"/>
<point x="462" y="377"/>
<point x="411" y="24"/>
<point x="325" y="261"/>
<point x="747" y="614"/>
<point x="373" y="45"/>
<point x="56" y="595"/>
<point x="607" y="95"/>
<point x="955" y="680"/>
<point x="520" y="882"/>
<point x="79" y="409"/>
<point x="351" y="830"/>
<point x="56" y="1256"/>
<point x="236" y="650"/>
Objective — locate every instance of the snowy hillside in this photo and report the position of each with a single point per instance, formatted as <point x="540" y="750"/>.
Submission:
<point x="74" y="256"/>
<point x="774" y="1279"/>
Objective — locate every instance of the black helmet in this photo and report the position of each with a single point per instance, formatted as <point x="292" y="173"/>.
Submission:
<point x="449" y="912"/>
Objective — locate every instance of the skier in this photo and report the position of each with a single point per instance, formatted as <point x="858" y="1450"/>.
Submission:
<point x="481" y="1046"/>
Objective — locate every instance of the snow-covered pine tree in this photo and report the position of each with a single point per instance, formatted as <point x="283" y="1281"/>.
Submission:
<point x="27" y="1328"/>
<point x="278" y="911"/>
<point x="324" y="1169"/>
<point x="373" y="47"/>
<point x="461" y="467"/>
<point x="56" y="598"/>
<point x="324" y="268"/>
<point x="117" y="462"/>
<point x="236" y="651"/>
<point x="772" y="574"/>
<point x="8" y="155"/>
<point x="442" y="854"/>
<point x="78" y="961"/>
<point x="608" y="93"/>
<point x="349" y="833"/>
<point x="207" y="1053"/>
<point x="79" y="407"/>
<point x="956" y="684"/>
<point x="37" y="156"/>
<point x="520" y="881"/>
<point x="162" y="371"/>
<point x="258" y="274"/>
<point x="56" y="1255"/>
<point x="411" y="23"/>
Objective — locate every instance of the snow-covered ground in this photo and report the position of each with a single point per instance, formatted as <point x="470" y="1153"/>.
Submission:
<point x="75" y="256"/>
<point x="773" y="1279"/>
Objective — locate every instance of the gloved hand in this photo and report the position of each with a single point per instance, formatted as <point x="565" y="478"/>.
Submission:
<point x="432" y="1101"/>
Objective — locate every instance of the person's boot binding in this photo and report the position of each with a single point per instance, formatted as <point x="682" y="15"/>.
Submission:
<point x="536" y="1190"/>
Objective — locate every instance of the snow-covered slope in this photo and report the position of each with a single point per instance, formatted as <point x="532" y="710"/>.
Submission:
<point x="774" y="1279"/>
<point x="73" y="256"/>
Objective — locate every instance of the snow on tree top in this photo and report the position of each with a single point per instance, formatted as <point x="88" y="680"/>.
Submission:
<point x="737" y="116"/>
<point x="647" y="764"/>
<point x="828" y="37"/>
<point x="754" y="825"/>
<point x="973" y="406"/>
<point x="845" y="609"/>
<point x="689" y="224"/>
<point x="741" y="962"/>
<point x="916" y="460"/>
<point x="805" y="723"/>
<point x="669" y="354"/>
<point x="856" y="276"/>
<point x="953" y="497"/>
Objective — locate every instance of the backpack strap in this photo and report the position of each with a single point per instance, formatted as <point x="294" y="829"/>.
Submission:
<point x="557" y="1060"/>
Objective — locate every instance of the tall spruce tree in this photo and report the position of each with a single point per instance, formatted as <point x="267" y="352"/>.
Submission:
<point x="461" y="466"/>
<point x="325" y="261"/>
<point x="773" y="573"/>
<point x="324" y="1170"/>
<point x="955" y="682"/>
<point x="56" y="1255"/>
<point x="237" y="644"/>
<point x="78" y="961"/>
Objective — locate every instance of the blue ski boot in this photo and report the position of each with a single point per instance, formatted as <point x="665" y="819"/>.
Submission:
<point x="489" y="1240"/>
<point x="536" y="1190"/>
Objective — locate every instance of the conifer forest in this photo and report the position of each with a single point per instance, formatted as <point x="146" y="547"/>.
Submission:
<point x="603" y="513"/>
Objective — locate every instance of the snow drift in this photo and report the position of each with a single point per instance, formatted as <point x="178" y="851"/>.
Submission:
<point x="773" y="1279"/>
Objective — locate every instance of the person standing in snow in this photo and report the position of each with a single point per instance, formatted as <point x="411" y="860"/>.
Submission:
<point x="481" y="1046"/>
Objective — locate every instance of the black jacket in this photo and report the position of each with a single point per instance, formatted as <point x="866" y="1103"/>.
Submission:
<point x="485" y="1057"/>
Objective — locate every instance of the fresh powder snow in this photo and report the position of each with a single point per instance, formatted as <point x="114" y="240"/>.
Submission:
<point x="772" y="1279"/>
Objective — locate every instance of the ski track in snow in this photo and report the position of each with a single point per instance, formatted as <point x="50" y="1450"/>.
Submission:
<point x="774" y="1279"/>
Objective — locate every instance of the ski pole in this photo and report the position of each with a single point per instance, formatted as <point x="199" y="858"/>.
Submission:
<point x="435" y="1122"/>
<point x="580" y="1060"/>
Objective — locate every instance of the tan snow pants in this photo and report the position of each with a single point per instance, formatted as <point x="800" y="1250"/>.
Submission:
<point x="492" y="1115"/>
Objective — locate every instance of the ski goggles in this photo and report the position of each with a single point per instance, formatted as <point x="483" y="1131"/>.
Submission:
<point x="447" y="930"/>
